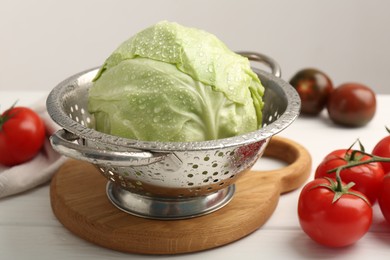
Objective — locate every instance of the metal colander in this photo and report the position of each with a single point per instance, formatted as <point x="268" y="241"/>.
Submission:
<point x="167" y="180"/>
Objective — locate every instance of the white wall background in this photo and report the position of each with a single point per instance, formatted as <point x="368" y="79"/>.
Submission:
<point x="42" y="42"/>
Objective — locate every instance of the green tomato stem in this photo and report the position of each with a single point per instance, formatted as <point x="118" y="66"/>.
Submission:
<point x="339" y="190"/>
<point x="6" y="116"/>
<point x="339" y="186"/>
<point x="351" y="164"/>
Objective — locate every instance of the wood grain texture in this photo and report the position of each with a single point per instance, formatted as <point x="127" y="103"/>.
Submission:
<point x="79" y="201"/>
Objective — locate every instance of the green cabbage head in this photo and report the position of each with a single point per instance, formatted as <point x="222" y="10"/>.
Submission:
<point x="178" y="84"/>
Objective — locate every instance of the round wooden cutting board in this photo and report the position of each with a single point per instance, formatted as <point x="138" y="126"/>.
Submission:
<point x="79" y="201"/>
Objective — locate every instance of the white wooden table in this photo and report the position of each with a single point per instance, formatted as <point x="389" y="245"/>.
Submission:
<point x="29" y="230"/>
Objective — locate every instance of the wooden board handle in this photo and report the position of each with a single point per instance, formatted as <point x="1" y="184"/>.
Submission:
<point x="295" y="155"/>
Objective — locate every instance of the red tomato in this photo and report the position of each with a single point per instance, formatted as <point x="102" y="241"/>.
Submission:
<point x="367" y="177"/>
<point x="382" y="148"/>
<point x="334" y="224"/>
<point x="352" y="105"/>
<point x="22" y="134"/>
<point x="384" y="197"/>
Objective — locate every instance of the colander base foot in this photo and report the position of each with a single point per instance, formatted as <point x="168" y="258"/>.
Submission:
<point x="167" y="208"/>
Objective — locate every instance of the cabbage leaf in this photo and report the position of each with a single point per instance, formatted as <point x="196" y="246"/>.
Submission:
<point x="173" y="83"/>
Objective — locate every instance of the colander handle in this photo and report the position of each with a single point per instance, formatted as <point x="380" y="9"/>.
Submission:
<point x="63" y="142"/>
<point x="254" y="56"/>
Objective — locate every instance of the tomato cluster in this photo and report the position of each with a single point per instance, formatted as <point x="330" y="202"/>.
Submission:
<point x="335" y="209"/>
<point x="349" y="104"/>
<point x="367" y="177"/>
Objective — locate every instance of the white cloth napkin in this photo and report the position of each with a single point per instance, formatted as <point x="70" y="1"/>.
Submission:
<point x="40" y="169"/>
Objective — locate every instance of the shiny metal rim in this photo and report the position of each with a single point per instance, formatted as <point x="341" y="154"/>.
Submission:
<point x="291" y="113"/>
